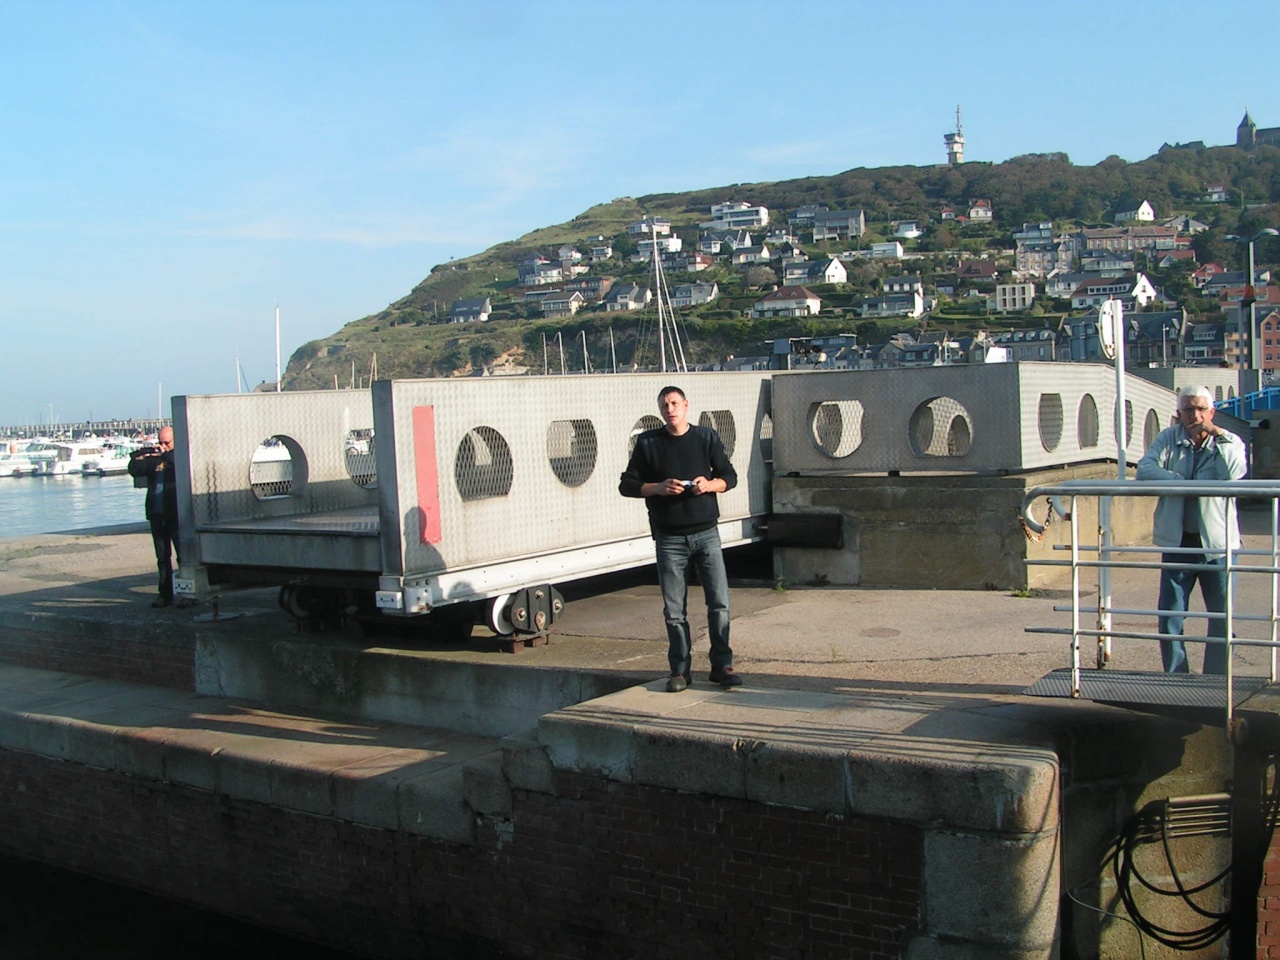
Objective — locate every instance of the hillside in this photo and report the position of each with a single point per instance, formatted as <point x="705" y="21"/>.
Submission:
<point x="409" y="338"/>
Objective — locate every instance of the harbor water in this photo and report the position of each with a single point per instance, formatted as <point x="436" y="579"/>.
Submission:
<point x="67" y="504"/>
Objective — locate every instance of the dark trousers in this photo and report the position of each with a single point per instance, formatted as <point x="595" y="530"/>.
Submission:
<point x="164" y="537"/>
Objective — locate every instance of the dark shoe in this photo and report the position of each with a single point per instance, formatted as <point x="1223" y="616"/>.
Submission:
<point x="161" y="602"/>
<point x="677" y="682"/>
<point x="184" y="602"/>
<point x="728" y="677"/>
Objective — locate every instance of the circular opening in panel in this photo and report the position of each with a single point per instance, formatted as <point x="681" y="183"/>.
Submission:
<point x="571" y="450"/>
<point x="357" y="455"/>
<point x="1150" y="429"/>
<point x="721" y="421"/>
<point x="766" y="438"/>
<point x="482" y="467"/>
<point x="645" y="423"/>
<point x="278" y="468"/>
<point x="836" y="426"/>
<point x="1049" y="417"/>
<point x="940" y="427"/>
<point x="1087" y="422"/>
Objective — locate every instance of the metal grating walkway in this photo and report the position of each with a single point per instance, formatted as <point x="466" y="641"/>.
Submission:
<point x="1132" y="687"/>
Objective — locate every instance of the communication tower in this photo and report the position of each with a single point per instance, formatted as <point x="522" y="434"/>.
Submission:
<point x="955" y="143"/>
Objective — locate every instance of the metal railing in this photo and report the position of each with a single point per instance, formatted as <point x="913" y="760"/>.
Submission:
<point x="1104" y="556"/>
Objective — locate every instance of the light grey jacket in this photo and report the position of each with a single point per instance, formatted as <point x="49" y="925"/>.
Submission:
<point x="1172" y="457"/>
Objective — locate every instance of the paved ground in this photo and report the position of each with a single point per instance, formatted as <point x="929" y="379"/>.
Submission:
<point x="819" y="638"/>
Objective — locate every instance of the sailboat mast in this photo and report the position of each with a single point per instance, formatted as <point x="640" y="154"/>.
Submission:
<point x="277" y="348"/>
<point x="657" y="293"/>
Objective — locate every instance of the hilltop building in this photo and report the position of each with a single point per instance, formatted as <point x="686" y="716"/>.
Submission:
<point x="1249" y="135"/>
<point x="955" y="143"/>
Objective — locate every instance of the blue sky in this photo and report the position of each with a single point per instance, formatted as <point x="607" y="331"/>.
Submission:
<point x="171" y="171"/>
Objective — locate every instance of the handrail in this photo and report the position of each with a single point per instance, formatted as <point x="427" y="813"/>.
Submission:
<point x="1229" y="489"/>
<point x="1260" y="489"/>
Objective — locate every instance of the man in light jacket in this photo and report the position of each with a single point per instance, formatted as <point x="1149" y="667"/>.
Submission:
<point x="1195" y="448"/>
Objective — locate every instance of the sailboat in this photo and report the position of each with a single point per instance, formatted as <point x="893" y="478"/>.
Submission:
<point x="671" y="341"/>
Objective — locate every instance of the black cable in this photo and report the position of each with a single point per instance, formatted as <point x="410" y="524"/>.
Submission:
<point x="1124" y="867"/>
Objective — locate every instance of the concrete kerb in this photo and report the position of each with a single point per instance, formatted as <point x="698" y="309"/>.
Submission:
<point x="977" y="801"/>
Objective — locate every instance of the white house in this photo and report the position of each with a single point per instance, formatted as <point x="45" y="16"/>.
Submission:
<point x="692" y="294"/>
<point x="1094" y="293"/>
<point x="561" y="303"/>
<point x="645" y="248"/>
<point x="788" y="302"/>
<point x="649" y="227"/>
<point x="891" y="248"/>
<point x="601" y="249"/>
<point x="980" y="211"/>
<point x="627" y="296"/>
<point x="907" y="229"/>
<point x="1143" y="213"/>
<point x="1012" y="297"/>
<point x="736" y="215"/>
<point x="799" y="273"/>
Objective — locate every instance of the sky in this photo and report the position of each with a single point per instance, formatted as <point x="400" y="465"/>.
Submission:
<point x="172" y="172"/>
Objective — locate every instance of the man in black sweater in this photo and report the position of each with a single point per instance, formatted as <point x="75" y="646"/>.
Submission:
<point x="155" y="464"/>
<point x="678" y="469"/>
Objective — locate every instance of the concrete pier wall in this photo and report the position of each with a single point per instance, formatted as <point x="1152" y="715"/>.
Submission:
<point x="946" y="532"/>
<point x="753" y="823"/>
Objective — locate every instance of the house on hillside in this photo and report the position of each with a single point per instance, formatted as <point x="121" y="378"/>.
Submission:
<point x="980" y="211"/>
<point x="691" y="294"/>
<point x="908" y="283"/>
<point x="787" y="302"/>
<point x="691" y="262"/>
<point x="838" y="225"/>
<point x="561" y="303"/>
<point x="907" y="229"/>
<point x="1204" y="344"/>
<point x="1136" y="213"/>
<point x="1012" y="297"/>
<point x="890" y="250"/>
<point x="568" y="253"/>
<point x="627" y="296"/>
<point x="1130" y="290"/>
<point x="1029" y="345"/>
<point x="667" y="244"/>
<point x="976" y="271"/>
<point x="1268" y="323"/>
<point x="593" y="289"/>
<point x="749" y="255"/>
<point x="600" y="249"/>
<point x="948" y="213"/>
<point x="1107" y="263"/>
<point x="471" y="310"/>
<point x="803" y="215"/>
<point x="802" y="273"/>
<point x="736" y="215"/>
<point x="892" y="305"/>
<point x="1173" y="257"/>
<point x="1215" y="193"/>
<point x="650" y="227"/>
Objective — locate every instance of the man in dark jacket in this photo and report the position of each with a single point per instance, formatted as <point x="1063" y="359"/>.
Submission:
<point x="156" y="465"/>
<point x="678" y="469"/>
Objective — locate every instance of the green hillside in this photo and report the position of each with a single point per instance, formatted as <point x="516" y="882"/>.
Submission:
<point x="410" y="338"/>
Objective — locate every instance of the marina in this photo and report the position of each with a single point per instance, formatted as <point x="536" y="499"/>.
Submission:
<point x="73" y="503"/>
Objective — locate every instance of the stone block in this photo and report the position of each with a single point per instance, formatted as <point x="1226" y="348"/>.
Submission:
<point x="1015" y="906"/>
<point x="527" y="765"/>
<point x="433" y="805"/>
<point x="485" y="788"/>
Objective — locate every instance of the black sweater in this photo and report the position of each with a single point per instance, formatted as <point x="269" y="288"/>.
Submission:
<point x="659" y="456"/>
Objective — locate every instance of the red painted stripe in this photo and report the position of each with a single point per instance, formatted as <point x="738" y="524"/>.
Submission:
<point x="428" y="475"/>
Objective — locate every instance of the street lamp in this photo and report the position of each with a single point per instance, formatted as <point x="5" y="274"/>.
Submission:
<point x="1247" y="303"/>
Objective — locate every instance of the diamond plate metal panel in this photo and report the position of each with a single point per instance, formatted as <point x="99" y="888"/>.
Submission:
<point x="529" y="466"/>
<point x="1123" y="687"/>
<point x="989" y="418"/>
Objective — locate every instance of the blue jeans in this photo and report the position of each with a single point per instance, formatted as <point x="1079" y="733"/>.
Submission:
<point x="1175" y="593"/>
<point x="675" y="553"/>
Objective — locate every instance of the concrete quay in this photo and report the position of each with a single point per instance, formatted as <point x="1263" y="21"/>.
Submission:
<point x="880" y="787"/>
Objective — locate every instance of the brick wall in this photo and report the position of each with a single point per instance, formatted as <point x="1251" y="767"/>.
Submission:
<point x="597" y="870"/>
<point x="1269" y="902"/>
<point x="96" y="651"/>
